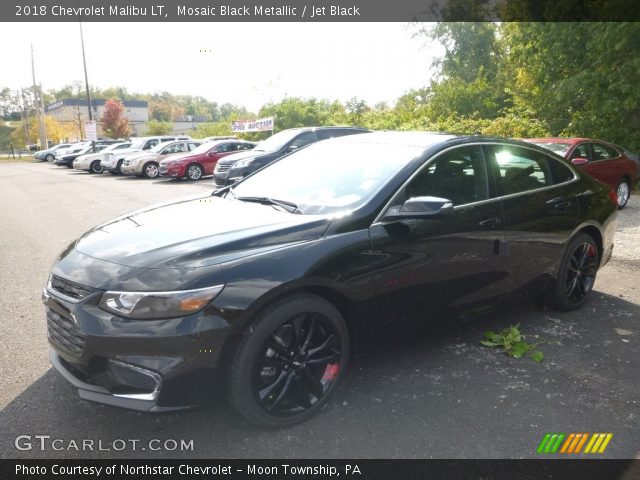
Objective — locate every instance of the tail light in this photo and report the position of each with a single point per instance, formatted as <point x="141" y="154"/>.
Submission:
<point x="613" y="196"/>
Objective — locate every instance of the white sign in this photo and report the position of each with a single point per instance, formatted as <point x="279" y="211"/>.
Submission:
<point x="91" y="131"/>
<point x="260" y="125"/>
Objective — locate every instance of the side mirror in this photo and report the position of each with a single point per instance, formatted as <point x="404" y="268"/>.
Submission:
<point x="579" y="161"/>
<point x="421" y="207"/>
<point x="292" y="148"/>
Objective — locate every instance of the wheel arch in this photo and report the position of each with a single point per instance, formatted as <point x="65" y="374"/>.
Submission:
<point x="594" y="232"/>
<point x="338" y="299"/>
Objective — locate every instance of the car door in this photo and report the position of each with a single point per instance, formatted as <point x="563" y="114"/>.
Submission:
<point x="433" y="267"/>
<point x="539" y="199"/>
<point x="607" y="164"/>
<point x="216" y="153"/>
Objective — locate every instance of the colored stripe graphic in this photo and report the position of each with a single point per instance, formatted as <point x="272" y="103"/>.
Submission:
<point x="550" y="443"/>
<point x="572" y="443"/>
<point x="598" y="443"/>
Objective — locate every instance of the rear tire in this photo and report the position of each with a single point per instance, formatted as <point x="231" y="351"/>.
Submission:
<point x="288" y="361"/>
<point x="623" y="191"/>
<point x="194" y="172"/>
<point x="577" y="274"/>
<point x="95" y="167"/>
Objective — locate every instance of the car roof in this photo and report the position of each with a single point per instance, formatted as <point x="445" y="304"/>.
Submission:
<point x="327" y="127"/>
<point x="559" y="139"/>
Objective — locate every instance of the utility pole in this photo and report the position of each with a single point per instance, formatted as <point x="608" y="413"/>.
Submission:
<point x="25" y="119"/>
<point x="86" y="84"/>
<point x="42" y="127"/>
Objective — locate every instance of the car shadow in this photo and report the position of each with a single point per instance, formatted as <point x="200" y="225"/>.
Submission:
<point x="438" y="395"/>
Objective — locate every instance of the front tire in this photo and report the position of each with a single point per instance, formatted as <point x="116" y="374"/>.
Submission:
<point x="194" y="172"/>
<point x="623" y="191"/>
<point x="577" y="274"/>
<point x="289" y="361"/>
<point x="95" y="167"/>
<point x="150" y="170"/>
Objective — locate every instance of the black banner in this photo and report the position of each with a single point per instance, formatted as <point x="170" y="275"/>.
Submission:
<point x="316" y="10"/>
<point x="326" y="469"/>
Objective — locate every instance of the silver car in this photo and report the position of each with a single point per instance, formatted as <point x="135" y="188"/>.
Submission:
<point x="146" y="164"/>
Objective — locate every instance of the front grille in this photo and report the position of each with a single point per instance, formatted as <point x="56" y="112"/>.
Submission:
<point x="64" y="333"/>
<point x="69" y="289"/>
<point x="222" y="168"/>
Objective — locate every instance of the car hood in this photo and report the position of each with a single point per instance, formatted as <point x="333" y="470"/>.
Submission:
<point x="197" y="232"/>
<point x="234" y="157"/>
<point x="145" y="155"/>
<point x="178" y="156"/>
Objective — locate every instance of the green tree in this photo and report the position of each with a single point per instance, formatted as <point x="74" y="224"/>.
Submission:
<point x="155" y="127"/>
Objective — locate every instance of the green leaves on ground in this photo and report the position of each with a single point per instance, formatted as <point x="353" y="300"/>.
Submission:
<point x="512" y="342"/>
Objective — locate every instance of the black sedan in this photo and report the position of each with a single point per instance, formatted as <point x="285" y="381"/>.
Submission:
<point x="269" y="287"/>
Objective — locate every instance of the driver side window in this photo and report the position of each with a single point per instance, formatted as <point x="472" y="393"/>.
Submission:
<point x="459" y="175"/>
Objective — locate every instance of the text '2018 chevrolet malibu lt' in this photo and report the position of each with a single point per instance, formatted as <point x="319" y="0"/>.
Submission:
<point x="264" y="290"/>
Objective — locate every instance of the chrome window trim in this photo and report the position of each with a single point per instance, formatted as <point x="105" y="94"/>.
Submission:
<point x="576" y="177"/>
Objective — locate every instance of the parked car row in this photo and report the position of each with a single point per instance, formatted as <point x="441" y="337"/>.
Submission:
<point x="229" y="159"/>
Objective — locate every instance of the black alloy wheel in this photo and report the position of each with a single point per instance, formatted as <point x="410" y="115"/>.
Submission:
<point x="194" y="172"/>
<point x="289" y="362"/>
<point x="577" y="273"/>
<point x="95" y="167"/>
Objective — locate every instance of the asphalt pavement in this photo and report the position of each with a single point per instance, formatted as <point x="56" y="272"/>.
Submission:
<point x="439" y="396"/>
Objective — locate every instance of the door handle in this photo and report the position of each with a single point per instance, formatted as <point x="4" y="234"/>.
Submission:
<point x="560" y="203"/>
<point x="491" y="222"/>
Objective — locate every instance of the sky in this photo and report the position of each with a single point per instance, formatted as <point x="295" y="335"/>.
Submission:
<point x="247" y="64"/>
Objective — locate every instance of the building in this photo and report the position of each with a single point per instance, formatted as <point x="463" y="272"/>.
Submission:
<point x="74" y="110"/>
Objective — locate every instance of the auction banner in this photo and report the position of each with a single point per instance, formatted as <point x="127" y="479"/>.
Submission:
<point x="246" y="126"/>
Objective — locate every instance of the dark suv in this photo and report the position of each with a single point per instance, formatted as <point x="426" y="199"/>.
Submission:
<point x="235" y="167"/>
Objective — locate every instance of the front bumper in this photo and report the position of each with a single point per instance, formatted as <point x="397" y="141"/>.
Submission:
<point x="135" y="169"/>
<point x="155" y="366"/>
<point x="174" y="171"/>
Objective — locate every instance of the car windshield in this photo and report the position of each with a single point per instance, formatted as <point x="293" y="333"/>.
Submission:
<point x="277" y="141"/>
<point x="204" y="148"/>
<point x="328" y="178"/>
<point x="159" y="147"/>
<point x="116" y="146"/>
<point x="559" y="148"/>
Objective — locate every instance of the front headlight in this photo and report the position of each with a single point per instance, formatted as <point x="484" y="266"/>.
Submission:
<point x="243" y="163"/>
<point x="151" y="305"/>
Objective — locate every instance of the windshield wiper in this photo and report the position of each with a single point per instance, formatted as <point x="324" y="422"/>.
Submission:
<point x="288" y="206"/>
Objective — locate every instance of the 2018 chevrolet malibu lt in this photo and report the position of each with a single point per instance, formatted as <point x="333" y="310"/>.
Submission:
<point x="201" y="161"/>
<point x="605" y="161"/>
<point x="271" y="285"/>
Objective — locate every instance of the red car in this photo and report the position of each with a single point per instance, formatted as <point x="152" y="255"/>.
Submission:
<point x="602" y="160"/>
<point x="201" y="161"/>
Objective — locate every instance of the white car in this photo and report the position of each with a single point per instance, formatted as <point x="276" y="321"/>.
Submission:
<point x="74" y="148"/>
<point x="91" y="162"/>
<point x="112" y="161"/>
<point x="146" y="164"/>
